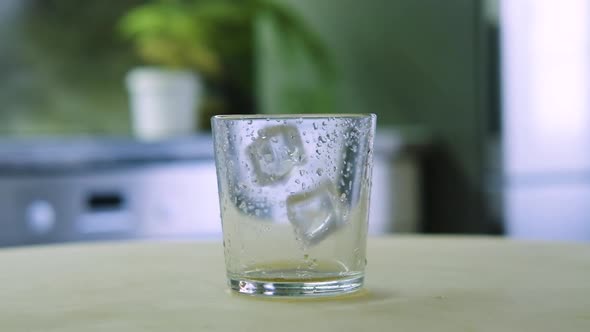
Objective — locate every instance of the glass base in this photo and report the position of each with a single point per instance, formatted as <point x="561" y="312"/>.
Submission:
<point x="299" y="288"/>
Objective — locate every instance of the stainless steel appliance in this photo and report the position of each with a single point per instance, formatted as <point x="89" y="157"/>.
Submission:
<point x="64" y="190"/>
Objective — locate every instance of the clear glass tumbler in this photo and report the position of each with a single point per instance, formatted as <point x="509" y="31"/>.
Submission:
<point x="294" y="198"/>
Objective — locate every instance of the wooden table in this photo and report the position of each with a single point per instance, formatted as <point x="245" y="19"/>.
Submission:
<point x="413" y="284"/>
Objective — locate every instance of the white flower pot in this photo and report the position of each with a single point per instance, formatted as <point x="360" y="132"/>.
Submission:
<point x="163" y="102"/>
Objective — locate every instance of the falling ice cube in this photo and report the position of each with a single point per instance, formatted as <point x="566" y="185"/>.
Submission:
<point x="315" y="214"/>
<point x="275" y="152"/>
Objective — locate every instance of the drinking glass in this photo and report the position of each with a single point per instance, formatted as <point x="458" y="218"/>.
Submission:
<point x="294" y="200"/>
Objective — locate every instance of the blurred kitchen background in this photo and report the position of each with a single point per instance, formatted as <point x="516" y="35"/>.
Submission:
<point x="483" y="110"/>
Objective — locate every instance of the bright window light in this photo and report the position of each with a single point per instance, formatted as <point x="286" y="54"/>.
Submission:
<point x="546" y="82"/>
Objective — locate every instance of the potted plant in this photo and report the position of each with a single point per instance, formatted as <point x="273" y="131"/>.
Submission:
<point x="203" y="47"/>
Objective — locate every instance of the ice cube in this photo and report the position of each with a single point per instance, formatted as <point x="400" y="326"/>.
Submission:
<point x="315" y="214"/>
<point x="275" y="152"/>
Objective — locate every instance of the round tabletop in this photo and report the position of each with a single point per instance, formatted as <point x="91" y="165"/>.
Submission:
<point x="412" y="284"/>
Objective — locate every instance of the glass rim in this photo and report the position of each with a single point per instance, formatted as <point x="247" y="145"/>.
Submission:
<point x="302" y="116"/>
